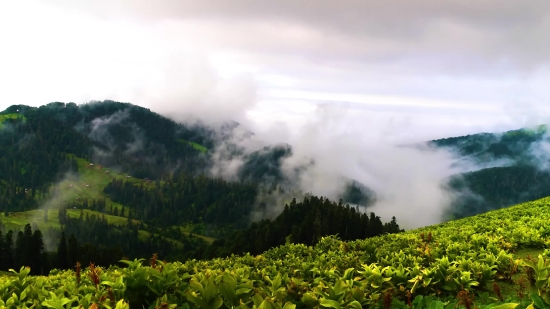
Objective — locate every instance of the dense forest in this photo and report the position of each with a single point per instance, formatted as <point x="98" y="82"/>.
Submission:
<point x="218" y="204"/>
<point x="94" y="239"/>
<point x="306" y="223"/>
<point x="108" y="180"/>
<point x="498" y="187"/>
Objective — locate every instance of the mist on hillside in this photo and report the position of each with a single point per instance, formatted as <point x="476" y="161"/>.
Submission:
<point x="332" y="143"/>
<point x="337" y="143"/>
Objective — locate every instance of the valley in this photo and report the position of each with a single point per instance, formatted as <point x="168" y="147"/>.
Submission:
<point x="112" y="184"/>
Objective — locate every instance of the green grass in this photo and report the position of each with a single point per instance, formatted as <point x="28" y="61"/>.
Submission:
<point x="18" y="220"/>
<point x="87" y="184"/>
<point x="144" y="235"/>
<point x="187" y="231"/>
<point x="10" y="116"/>
<point x="198" y="147"/>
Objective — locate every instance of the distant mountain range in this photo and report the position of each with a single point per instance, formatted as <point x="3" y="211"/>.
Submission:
<point x="504" y="168"/>
<point x="507" y="168"/>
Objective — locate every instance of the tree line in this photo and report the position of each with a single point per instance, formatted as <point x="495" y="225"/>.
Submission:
<point x="304" y="222"/>
<point x="218" y="204"/>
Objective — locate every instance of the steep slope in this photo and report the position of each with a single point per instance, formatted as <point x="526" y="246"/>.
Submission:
<point x="115" y="174"/>
<point x="512" y="168"/>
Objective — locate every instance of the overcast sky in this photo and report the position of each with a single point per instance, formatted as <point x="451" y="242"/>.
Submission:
<point x="413" y="69"/>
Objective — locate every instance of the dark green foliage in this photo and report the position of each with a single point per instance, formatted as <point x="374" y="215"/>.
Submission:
<point x="28" y="251"/>
<point x="498" y="187"/>
<point x="8" y="251"/>
<point x="265" y="165"/>
<point x="73" y="251"/>
<point x="62" y="253"/>
<point x="39" y="150"/>
<point x="520" y="178"/>
<point x="219" y="204"/>
<point x="358" y="194"/>
<point x="305" y="223"/>
<point x="95" y="240"/>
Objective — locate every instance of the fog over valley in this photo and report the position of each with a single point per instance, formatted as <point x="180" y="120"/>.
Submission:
<point x="349" y="92"/>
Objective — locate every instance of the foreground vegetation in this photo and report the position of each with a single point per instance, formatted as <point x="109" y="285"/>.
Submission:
<point x="483" y="261"/>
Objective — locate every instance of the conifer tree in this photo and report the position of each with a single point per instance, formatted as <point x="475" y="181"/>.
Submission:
<point x="73" y="251"/>
<point x="8" y="251"/>
<point x="62" y="253"/>
<point x="37" y="249"/>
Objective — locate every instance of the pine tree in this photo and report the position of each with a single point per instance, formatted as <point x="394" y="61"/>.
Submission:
<point x="73" y="251"/>
<point x="20" y="250"/>
<point x="2" y="252"/>
<point x="37" y="250"/>
<point x="8" y="251"/>
<point x="62" y="253"/>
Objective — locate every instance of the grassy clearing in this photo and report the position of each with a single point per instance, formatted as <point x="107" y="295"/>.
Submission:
<point x="144" y="235"/>
<point x="198" y="147"/>
<point x="10" y="116"/>
<point x="87" y="184"/>
<point x="16" y="221"/>
<point x="187" y="231"/>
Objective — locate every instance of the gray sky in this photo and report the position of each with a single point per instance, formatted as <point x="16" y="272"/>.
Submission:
<point x="413" y="69"/>
<point x="341" y="81"/>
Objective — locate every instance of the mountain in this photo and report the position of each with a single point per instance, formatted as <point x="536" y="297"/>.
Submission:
<point x="121" y="175"/>
<point x="120" y="180"/>
<point x="509" y="168"/>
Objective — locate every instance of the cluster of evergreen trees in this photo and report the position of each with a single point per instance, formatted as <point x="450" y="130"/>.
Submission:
<point x="40" y="147"/>
<point x="93" y="239"/>
<point x="305" y="222"/>
<point x="134" y="240"/>
<point x="34" y="155"/>
<point x="71" y="251"/>
<point x="498" y="187"/>
<point x="219" y="204"/>
<point x="26" y="248"/>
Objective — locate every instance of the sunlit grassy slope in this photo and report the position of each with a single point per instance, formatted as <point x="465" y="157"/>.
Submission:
<point x="9" y="116"/>
<point x="87" y="184"/>
<point x="198" y="147"/>
<point x="19" y="219"/>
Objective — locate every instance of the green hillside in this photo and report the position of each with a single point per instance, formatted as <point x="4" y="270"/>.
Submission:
<point x="198" y="147"/>
<point x="4" y="117"/>
<point x="486" y="261"/>
<point x="106" y="181"/>
<point x="87" y="184"/>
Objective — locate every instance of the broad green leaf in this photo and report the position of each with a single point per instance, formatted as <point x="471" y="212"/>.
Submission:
<point x="329" y="303"/>
<point x="506" y="306"/>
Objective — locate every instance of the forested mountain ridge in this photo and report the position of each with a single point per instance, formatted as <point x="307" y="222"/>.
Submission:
<point x="120" y="180"/>
<point x="511" y="168"/>
<point x="121" y="175"/>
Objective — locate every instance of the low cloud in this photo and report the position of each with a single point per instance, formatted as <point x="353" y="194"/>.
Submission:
<point x="61" y="193"/>
<point x="339" y="144"/>
<point x="187" y="88"/>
